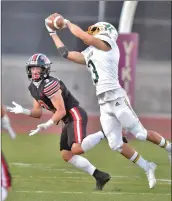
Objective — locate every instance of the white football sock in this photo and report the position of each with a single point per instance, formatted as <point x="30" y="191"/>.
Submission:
<point x="168" y="147"/>
<point x="165" y="144"/>
<point x="4" y="193"/>
<point x="141" y="162"/>
<point x="92" y="140"/>
<point x="82" y="163"/>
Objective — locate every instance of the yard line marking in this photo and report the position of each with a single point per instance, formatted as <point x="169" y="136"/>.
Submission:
<point x="99" y="193"/>
<point x="67" y="171"/>
<point x="161" y="181"/>
<point x="81" y="177"/>
<point x="78" y="180"/>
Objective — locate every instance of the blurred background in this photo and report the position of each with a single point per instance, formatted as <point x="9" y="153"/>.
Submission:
<point x="24" y="33"/>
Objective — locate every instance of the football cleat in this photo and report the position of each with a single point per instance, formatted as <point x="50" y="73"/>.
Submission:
<point x="101" y="179"/>
<point x="151" y="175"/>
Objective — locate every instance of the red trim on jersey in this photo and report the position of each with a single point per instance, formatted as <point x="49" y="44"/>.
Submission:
<point x="80" y="121"/>
<point x="46" y="89"/>
<point x="77" y="124"/>
<point x="52" y="91"/>
<point x="52" y="88"/>
<point x="5" y="177"/>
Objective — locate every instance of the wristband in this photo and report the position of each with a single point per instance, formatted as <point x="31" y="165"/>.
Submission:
<point x="26" y="112"/>
<point x="49" y="123"/>
<point x="63" y="51"/>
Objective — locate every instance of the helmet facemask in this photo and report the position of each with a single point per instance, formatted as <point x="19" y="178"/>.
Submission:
<point x="38" y="60"/>
<point x="44" y="73"/>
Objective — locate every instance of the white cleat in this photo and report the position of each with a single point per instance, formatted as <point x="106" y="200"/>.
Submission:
<point x="151" y="175"/>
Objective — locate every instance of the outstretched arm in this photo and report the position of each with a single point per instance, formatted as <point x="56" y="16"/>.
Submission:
<point x="87" y="38"/>
<point x="74" y="56"/>
<point x="35" y="112"/>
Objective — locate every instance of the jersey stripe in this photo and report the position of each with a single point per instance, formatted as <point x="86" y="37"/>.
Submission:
<point x="77" y="124"/>
<point x="48" y="88"/>
<point x="54" y="90"/>
<point x="51" y="89"/>
<point x="49" y="83"/>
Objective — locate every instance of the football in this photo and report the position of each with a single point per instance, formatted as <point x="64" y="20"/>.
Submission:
<point x="55" y="22"/>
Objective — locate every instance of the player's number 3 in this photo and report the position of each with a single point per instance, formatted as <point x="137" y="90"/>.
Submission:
<point x="95" y="75"/>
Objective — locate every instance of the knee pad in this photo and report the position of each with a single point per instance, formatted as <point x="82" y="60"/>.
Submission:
<point x="139" y="132"/>
<point x="115" y="144"/>
<point x="141" y="136"/>
<point x="116" y="147"/>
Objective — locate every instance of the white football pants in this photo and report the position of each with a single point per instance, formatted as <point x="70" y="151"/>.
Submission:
<point x="117" y="114"/>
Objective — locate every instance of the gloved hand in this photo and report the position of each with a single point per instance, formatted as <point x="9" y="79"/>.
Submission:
<point x="52" y="21"/>
<point x="18" y="109"/>
<point x="41" y="127"/>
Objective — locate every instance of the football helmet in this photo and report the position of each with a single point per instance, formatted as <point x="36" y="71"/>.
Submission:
<point x="103" y="28"/>
<point x="38" y="60"/>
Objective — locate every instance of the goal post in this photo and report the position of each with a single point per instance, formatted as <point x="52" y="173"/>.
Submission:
<point x="128" y="45"/>
<point x="127" y="16"/>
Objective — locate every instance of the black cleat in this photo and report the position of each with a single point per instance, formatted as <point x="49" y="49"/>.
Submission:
<point x="101" y="179"/>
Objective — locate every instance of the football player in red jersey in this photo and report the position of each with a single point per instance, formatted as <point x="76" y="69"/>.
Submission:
<point x="5" y="174"/>
<point x="51" y="94"/>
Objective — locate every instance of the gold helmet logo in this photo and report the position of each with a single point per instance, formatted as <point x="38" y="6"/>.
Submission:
<point x="93" y="30"/>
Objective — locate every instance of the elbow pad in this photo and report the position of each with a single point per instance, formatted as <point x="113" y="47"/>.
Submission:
<point x="63" y="51"/>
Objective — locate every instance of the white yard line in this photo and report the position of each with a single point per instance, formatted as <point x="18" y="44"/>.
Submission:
<point x="66" y="171"/>
<point x="98" y="193"/>
<point x="85" y="180"/>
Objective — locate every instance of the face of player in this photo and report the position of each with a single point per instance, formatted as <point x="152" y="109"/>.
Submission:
<point x="36" y="71"/>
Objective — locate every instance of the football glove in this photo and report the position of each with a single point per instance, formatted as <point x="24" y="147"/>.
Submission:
<point x="18" y="109"/>
<point x="40" y="127"/>
<point x="50" y="30"/>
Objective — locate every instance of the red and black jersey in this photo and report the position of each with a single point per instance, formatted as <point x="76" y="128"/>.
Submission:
<point x="46" y="89"/>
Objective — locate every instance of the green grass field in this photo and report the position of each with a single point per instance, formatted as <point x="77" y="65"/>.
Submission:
<point x="39" y="173"/>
